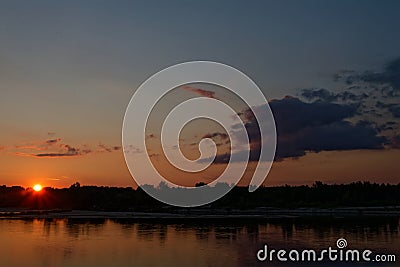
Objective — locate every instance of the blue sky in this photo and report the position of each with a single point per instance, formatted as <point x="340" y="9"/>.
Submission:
<point x="282" y="45"/>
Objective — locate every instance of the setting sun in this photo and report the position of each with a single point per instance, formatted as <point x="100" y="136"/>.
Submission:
<point x="37" y="187"/>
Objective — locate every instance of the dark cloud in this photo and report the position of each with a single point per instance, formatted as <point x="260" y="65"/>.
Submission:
<point x="320" y="119"/>
<point x="200" y="91"/>
<point x="340" y="135"/>
<point x="375" y="94"/>
<point x="53" y="141"/>
<point x="131" y="149"/>
<point x="324" y="95"/>
<point x="318" y="94"/>
<point x="219" y="159"/>
<point x="395" y="110"/>
<point x="151" y="136"/>
<point x="388" y="126"/>
<point x="60" y="155"/>
<point x="390" y="75"/>
<point x="395" y="141"/>
<point x="69" y="151"/>
<point x="223" y="136"/>
<point x="104" y="148"/>
<point x="319" y="126"/>
<point x="52" y="148"/>
<point x="311" y="127"/>
<point x="388" y="80"/>
<point x="292" y="114"/>
<point x="55" y="155"/>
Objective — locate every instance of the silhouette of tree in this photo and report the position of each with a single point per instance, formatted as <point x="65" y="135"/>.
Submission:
<point x="129" y="199"/>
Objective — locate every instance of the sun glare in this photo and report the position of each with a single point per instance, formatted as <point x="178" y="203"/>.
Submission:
<point x="37" y="187"/>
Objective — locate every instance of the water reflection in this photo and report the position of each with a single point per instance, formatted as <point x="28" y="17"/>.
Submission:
<point x="77" y="227"/>
<point x="100" y="242"/>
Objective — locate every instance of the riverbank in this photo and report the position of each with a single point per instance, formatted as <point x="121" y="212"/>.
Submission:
<point x="203" y="213"/>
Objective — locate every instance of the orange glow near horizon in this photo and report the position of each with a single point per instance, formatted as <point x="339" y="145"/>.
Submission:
<point x="37" y="187"/>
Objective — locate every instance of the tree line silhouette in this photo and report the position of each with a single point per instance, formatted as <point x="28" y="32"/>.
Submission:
<point x="103" y="198"/>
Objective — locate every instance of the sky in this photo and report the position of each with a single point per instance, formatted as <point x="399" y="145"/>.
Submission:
<point x="69" y="68"/>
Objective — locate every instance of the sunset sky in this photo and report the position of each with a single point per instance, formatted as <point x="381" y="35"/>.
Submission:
<point x="330" y="70"/>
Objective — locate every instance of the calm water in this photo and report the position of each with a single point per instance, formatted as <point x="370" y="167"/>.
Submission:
<point x="99" y="243"/>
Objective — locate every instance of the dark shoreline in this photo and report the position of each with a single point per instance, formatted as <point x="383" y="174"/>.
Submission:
<point x="205" y="214"/>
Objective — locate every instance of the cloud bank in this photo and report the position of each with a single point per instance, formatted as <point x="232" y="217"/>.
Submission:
<point x="363" y="114"/>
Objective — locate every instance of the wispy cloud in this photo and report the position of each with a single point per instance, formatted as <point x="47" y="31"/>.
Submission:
<point x="154" y="155"/>
<point x="131" y="149"/>
<point x="151" y="136"/>
<point x="59" y="178"/>
<point x="200" y="91"/>
<point x="68" y="151"/>
<point x="53" y="179"/>
<point x="375" y="94"/>
<point x="104" y="148"/>
<point x="53" y="141"/>
<point x="56" y="148"/>
<point x="324" y="95"/>
<point x="223" y="136"/>
<point x="388" y="79"/>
